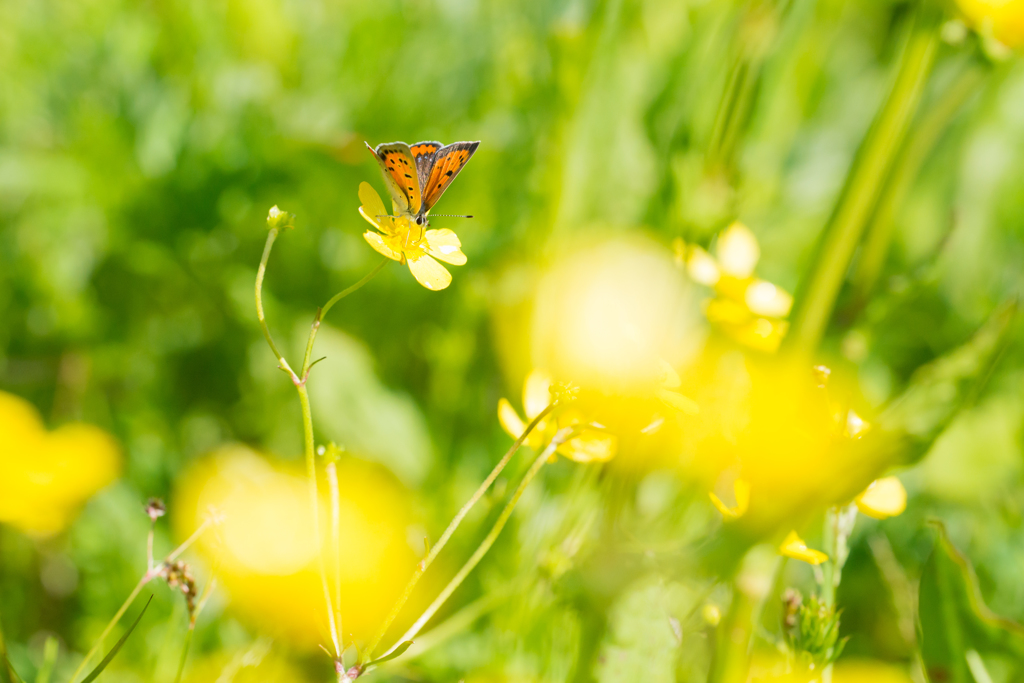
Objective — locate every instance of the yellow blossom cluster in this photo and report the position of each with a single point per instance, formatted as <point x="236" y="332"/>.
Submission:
<point x="750" y="310"/>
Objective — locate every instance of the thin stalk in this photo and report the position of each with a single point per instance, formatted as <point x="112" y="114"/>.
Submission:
<point x="335" y="491"/>
<point x="863" y="183"/>
<point x="561" y="437"/>
<point x="299" y="380"/>
<point x="314" y="500"/>
<point x="321" y="313"/>
<point x="829" y="535"/>
<point x="151" y="573"/>
<point x="452" y="526"/>
<point x="271" y="236"/>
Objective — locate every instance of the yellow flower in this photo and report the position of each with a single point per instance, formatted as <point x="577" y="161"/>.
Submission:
<point x="402" y="240"/>
<point x="741" y="491"/>
<point x="1000" y="19"/>
<point x="883" y="498"/>
<point x="46" y="476"/>
<point x="795" y="548"/>
<point x="590" y="446"/>
<point x="265" y="549"/>
<point x="748" y="309"/>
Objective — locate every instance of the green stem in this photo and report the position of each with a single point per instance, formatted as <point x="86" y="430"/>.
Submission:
<point x="260" y="273"/>
<point x="299" y="380"/>
<point x="561" y="437"/>
<point x="828" y="569"/>
<point x="452" y="526"/>
<point x="905" y="171"/>
<point x="321" y="313"/>
<point x="863" y="183"/>
<point x="314" y="500"/>
<point x="150" y="574"/>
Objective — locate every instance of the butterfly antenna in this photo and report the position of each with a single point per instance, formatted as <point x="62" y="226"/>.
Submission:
<point x="449" y="215"/>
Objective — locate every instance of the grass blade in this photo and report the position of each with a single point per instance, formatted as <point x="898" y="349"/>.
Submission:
<point x="117" y="646"/>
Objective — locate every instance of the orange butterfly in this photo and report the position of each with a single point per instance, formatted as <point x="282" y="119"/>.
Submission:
<point x="417" y="176"/>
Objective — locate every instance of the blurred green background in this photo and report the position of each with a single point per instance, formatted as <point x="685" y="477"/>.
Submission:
<point x="142" y="143"/>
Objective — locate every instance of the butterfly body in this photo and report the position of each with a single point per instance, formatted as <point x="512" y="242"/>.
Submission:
<point x="416" y="176"/>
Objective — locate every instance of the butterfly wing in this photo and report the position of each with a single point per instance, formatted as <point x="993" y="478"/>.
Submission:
<point x="399" y="170"/>
<point x="447" y="163"/>
<point x="424" y="153"/>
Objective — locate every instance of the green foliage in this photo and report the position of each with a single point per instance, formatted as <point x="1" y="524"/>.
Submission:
<point x="811" y="630"/>
<point x="955" y="620"/>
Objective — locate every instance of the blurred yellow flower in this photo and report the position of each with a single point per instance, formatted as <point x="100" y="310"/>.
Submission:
<point x="265" y="549"/>
<point x="590" y="446"/>
<point x="741" y="492"/>
<point x="793" y="546"/>
<point x="45" y="476"/>
<point x="607" y="314"/>
<point x="750" y="310"/>
<point x="883" y="498"/>
<point x="1000" y="19"/>
<point x="400" y="239"/>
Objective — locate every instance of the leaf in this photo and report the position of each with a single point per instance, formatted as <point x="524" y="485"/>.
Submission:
<point x="938" y="390"/>
<point x="953" y="616"/>
<point x="117" y="646"/>
<point x="397" y="652"/>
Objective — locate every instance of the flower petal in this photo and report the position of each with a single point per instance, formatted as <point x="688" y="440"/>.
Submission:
<point x="702" y="267"/>
<point x="376" y="240"/>
<point x="536" y="393"/>
<point x="737" y="251"/>
<point x="510" y="420"/>
<point x="883" y="498"/>
<point x="590" y="447"/>
<point x="795" y="548"/>
<point x="444" y="245"/>
<point x="430" y="273"/>
<point x="764" y="298"/>
<point x="373" y="208"/>
<point x="741" y="490"/>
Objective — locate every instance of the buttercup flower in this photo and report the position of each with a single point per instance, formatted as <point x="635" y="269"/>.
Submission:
<point x="590" y="446"/>
<point x="793" y="546"/>
<point x="999" y="19"/>
<point x="883" y="498"/>
<point x="750" y="310"/>
<point x="45" y="476"/>
<point x="402" y="240"/>
<point x="741" y="491"/>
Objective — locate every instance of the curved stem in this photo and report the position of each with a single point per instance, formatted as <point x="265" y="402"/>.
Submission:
<point x="452" y="526"/>
<point x="307" y="361"/>
<point x="561" y="437"/>
<point x="271" y="236"/>
<point x="345" y="292"/>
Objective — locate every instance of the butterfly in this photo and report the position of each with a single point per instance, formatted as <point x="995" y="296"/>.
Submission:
<point x="417" y="176"/>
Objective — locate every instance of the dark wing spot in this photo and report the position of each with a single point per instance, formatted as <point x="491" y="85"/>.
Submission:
<point x="448" y="173"/>
<point x="408" y="176"/>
